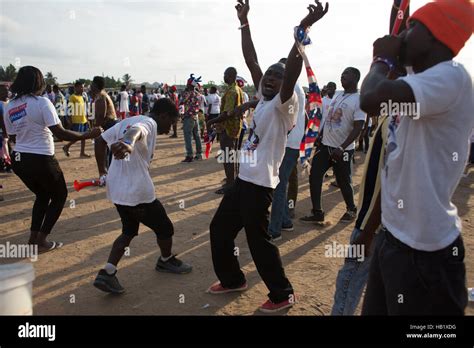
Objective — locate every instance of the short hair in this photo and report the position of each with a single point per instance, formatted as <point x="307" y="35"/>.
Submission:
<point x="354" y="71"/>
<point x="331" y="84"/>
<point x="165" y="106"/>
<point x="55" y="88"/>
<point x="29" y="80"/>
<point x="78" y="83"/>
<point x="213" y="88"/>
<point x="283" y="60"/>
<point x="123" y="87"/>
<point x="99" y="81"/>
<point x="232" y="70"/>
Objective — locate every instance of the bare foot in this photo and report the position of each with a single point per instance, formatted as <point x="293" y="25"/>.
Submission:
<point x="85" y="155"/>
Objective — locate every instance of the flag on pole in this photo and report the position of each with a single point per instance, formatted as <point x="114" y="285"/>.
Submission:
<point x="314" y="115"/>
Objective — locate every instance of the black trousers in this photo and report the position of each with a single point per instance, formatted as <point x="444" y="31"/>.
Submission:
<point x="152" y="215"/>
<point x="405" y="281"/>
<point x="43" y="176"/>
<point x="246" y="205"/>
<point x="342" y="170"/>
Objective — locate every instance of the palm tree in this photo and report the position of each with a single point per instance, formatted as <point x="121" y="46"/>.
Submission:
<point x="127" y="79"/>
<point x="8" y="73"/>
<point x="50" y="79"/>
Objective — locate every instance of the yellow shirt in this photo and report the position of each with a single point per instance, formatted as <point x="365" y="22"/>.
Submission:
<point x="232" y="98"/>
<point x="77" y="109"/>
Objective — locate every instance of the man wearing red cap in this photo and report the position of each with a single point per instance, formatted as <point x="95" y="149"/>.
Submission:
<point x="418" y="263"/>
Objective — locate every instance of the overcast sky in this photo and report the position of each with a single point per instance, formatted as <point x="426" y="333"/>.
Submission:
<point x="166" y="40"/>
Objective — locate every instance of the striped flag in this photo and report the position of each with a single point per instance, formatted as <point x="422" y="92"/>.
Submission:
<point x="314" y="115"/>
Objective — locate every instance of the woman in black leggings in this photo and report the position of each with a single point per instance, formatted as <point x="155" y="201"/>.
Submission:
<point x="31" y="121"/>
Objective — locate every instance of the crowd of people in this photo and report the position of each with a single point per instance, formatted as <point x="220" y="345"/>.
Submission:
<point x="404" y="218"/>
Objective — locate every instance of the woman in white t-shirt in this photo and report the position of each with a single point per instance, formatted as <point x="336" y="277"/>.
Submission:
<point x="31" y="121"/>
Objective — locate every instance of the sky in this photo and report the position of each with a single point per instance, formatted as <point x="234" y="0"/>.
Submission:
<point x="166" y="40"/>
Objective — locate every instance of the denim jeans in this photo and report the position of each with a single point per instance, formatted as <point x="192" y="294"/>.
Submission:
<point x="350" y="282"/>
<point x="280" y="210"/>
<point x="191" y="130"/>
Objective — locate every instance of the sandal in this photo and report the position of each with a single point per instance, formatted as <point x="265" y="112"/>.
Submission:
<point x="56" y="245"/>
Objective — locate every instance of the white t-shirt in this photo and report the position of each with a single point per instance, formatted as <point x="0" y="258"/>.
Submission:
<point x="297" y="133"/>
<point x="263" y="152"/>
<point x="326" y="101"/>
<point x="215" y="101"/>
<point x="343" y="111"/>
<point x="123" y="107"/>
<point x="203" y="105"/>
<point x="28" y="118"/>
<point x="128" y="181"/>
<point x="425" y="159"/>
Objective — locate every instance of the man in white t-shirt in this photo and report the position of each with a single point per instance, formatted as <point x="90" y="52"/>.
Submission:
<point x="343" y="123"/>
<point x="419" y="253"/>
<point x="130" y="187"/>
<point x="280" y="216"/>
<point x="246" y="203"/>
<point x="214" y="104"/>
<point x="326" y="100"/>
<point x="124" y="102"/>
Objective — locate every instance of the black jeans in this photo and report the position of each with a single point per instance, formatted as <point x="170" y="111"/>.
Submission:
<point x="228" y="145"/>
<point x="405" y="281"/>
<point x="367" y="139"/>
<point x="152" y="215"/>
<point x="343" y="170"/>
<point x="245" y="205"/>
<point x="43" y="176"/>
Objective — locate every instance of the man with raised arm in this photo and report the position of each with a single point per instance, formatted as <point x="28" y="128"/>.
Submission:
<point x="246" y="203"/>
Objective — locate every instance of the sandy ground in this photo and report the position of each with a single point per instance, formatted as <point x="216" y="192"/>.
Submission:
<point x="64" y="277"/>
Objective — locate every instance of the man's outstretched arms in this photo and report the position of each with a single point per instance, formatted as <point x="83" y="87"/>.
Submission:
<point x="295" y="61"/>
<point x="248" y="47"/>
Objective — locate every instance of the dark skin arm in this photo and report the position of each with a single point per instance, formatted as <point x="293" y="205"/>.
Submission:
<point x="101" y="155"/>
<point x="379" y="86"/>
<point x="64" y="134"/>
<point x="240" y="110"/>
<point x="358" y="126"/>
<point x="294" y="63"/>
<point x="120" y="150"/>
<point x="248" y="48"/>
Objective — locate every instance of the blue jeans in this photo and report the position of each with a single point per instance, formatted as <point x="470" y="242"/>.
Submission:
<point x="191" y="130"/>
<point x="280" y="210"/>
<point x="350" y="282"/>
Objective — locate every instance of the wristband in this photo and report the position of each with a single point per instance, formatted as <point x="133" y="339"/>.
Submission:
<point x="243" y="26"/>
<point x="386" y="61"/>
<point x="128" y="142"/>
<point x="341" y="148"/>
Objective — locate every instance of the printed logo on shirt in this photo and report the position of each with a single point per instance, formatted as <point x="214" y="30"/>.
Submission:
<point x="17" y="113"/>
<point x="252" y="143"/>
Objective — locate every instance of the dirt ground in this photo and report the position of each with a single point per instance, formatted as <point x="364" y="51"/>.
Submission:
<point x="89" y="228"/>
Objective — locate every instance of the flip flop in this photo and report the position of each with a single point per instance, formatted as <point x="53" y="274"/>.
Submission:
<point x="66" y="152"/>
<point x="56" y="245"/>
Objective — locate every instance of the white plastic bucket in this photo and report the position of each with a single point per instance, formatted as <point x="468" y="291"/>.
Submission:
<point x="16" y="289"/>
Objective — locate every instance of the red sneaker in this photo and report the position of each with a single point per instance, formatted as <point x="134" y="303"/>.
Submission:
<point x="217" y="288"/>
<point x="270" y="307"/>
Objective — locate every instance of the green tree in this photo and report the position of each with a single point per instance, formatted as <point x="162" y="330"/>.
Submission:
<point x="127" y="79"/>
<point x="8" y="73"/>
<point x="50" y="79"/>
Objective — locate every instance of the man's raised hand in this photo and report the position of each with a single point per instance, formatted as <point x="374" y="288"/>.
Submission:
<point x="316" y="12"/>
<point x="242" y="8"/>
